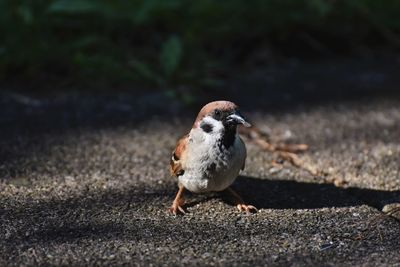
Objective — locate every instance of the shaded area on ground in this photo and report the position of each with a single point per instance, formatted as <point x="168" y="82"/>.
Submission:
<point x="284" y="194"/>
<point x="114" y="227"/>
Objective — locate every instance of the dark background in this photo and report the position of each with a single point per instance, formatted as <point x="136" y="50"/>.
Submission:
<point x="185" y="49"/>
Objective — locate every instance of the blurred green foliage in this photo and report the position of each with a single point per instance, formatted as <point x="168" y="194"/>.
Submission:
<point x="167" y="42"/>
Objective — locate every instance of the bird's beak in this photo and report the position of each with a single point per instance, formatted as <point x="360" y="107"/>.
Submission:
<point x="238" y="119"/>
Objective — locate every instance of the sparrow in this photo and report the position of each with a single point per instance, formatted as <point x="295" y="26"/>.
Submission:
<point x="210" y="157"/>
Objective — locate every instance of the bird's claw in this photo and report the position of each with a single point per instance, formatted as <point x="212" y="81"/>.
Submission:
<point x="246" y="208"/>
<point x="176" y="209"/>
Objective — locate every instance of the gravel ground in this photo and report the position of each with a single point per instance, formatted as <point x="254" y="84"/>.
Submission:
<point x="84" y="178"/>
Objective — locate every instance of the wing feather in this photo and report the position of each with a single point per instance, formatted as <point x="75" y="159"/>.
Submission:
<point x="176" y="168"/>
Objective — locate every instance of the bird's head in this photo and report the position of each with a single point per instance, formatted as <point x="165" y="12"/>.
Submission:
<point x="220" y="115"/>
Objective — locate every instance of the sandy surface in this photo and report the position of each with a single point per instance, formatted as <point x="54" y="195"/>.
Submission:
<point x="84" y="179"/>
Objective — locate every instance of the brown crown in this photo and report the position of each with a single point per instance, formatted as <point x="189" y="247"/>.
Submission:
<point x="210" y="107"/>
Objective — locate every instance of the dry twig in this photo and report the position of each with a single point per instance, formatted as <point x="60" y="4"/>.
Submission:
<point x="285" y="152"/>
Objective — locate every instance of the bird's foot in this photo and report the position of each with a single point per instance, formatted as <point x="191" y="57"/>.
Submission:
<point x="246" y="208"/>
<point x="176" y="209"/>
<point x="238" y="201"/>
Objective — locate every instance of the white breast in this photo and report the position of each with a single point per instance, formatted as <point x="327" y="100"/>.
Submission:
<point x="209" y="165"/>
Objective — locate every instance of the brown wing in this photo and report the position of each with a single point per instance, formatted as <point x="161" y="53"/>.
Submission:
<point x="176" y="168"/>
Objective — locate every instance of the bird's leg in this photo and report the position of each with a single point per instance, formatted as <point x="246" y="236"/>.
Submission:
<point x="239" y="203"/>
<point x="176" y="207"/>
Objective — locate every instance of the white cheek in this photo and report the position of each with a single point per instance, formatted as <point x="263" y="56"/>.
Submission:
<point x="218" y="127"/>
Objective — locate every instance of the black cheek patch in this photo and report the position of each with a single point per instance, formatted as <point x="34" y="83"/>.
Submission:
<point x="207" y="128"/>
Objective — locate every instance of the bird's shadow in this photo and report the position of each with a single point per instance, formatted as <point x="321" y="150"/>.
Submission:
<point x="287" y="194"/>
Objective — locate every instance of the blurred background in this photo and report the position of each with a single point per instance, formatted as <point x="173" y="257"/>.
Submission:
<point x="184" y="49"/>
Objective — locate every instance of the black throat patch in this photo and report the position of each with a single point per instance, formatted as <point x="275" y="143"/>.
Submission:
<point x="228" y="137"/>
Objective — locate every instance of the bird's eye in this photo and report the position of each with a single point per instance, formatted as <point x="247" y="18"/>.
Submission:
<point x="217" y="113"/>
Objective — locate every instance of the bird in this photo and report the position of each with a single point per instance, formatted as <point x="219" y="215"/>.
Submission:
<point x="210" y="157"/>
